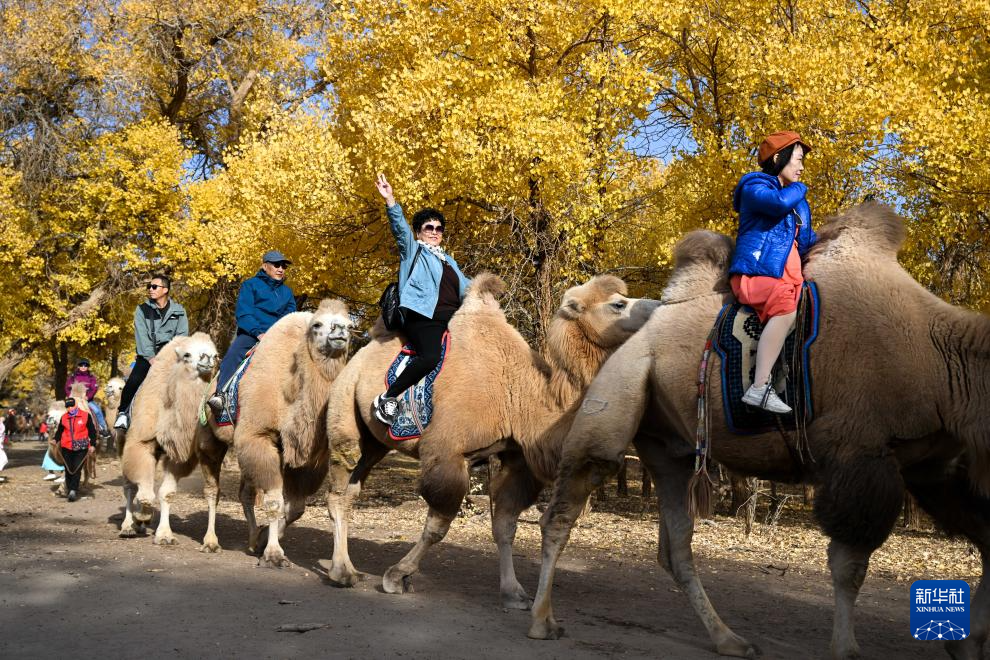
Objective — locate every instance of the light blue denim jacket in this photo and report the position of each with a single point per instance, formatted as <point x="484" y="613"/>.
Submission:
<point x="419" y="290"/>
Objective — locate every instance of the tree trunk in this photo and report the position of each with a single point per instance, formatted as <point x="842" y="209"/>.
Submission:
<point x="744" y="500"/>
<point x="60" y="364"/>
<point x="913" y="515"/>
<point x="114" y="366"/>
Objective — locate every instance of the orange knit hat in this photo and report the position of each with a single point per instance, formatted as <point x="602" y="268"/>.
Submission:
<point x="777" y="141"/>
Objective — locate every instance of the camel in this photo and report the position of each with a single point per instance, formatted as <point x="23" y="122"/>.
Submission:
<point x="114" y="388"/>
<point x="901" y="390"/>
<point x="494" y="396"/>
<point x="165" y="415"/>
<point x="280" y="435"/>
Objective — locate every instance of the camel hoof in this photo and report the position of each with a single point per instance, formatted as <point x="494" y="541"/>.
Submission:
<point x="210" y="547"/>
<point x="128" y="532"/>
<point x="345" y="578"/>
<point x="394" y="582"/>
<point x="517" y="601"/>
<point x="738" y="647"/>
<point x="165" y="540"/>
<point x="273" y="560"/>
<point x="545" y="629"/>
<point x="145" y="512"/>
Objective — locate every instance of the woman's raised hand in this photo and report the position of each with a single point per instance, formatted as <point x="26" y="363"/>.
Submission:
<point x="385" y="189"/>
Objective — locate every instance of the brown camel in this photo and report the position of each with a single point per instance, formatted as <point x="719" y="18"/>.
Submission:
<point x="901" y="390"/>
<point x="280" y="437"/>
<point x="494" y="396"/>
<point x="163" y="429"/>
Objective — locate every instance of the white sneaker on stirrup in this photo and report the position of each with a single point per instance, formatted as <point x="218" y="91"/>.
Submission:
<point x="765" y="397"/>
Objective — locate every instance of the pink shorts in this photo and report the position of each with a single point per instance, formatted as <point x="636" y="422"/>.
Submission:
<point x="771" y="296"/>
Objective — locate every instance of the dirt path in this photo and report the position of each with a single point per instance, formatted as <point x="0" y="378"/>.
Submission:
<point x="68" y="584"/>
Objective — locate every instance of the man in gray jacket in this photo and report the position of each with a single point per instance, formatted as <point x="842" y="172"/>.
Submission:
<point x="156" y="322"/>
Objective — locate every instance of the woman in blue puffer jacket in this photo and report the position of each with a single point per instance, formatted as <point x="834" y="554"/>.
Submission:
<point x="431" y="288"/>
<point x="774" y="233"/>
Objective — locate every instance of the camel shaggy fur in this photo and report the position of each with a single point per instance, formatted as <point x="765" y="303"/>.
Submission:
<point x="901" y="390"/>
<point x="164" y="419"/>
<point x="495" y="396"/>
<point x="114" y="388"/>
<point x="280" y="437"/>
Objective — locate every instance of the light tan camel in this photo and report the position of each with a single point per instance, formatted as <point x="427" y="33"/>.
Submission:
<point x="165" y="416"/>
<point x="901" y="392"/>
<point x="112" y="392"/>
<point x="495" y="395"/>
<point x="280" y="437"/>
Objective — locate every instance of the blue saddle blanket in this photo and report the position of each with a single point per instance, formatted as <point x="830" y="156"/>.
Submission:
<point x="737" y="334"/>
<point x="416" y="403"/>
<point x="232" y="408"/>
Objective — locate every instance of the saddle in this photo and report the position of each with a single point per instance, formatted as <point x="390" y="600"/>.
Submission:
<point x="735" y="337"/>
<point x="416" y="403"/>
<point x="232" y="409"/>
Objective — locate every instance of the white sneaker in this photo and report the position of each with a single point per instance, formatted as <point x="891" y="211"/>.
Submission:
<point x="122" y="422"/>
<point x="50" y="476"/>
<point x="60" y="480"/>
<point x="765" y="397"/>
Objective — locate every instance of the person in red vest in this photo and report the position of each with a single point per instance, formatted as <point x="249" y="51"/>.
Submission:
<point x="76" y="435"/>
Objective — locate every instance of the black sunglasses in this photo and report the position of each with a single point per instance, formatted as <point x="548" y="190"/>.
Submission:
<point x="437" y="228"/>
<point x="152" y="287"/>
<point x="280" y="264"/>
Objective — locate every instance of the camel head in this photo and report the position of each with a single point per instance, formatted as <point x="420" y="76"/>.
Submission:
<point x="601" y="312"/>
<point x="197" y="355"/>
<point x="593" y="320"/>
<point x="329" y="331"/>
<point x="114" y="387"/>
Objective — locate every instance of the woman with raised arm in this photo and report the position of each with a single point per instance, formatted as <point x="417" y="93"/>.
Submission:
<point x="431" y="288"/>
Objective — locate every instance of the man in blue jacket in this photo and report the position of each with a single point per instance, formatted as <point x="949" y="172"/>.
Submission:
<point x="262" y="300"/>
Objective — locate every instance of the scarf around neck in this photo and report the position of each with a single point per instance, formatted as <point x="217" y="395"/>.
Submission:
<point x="436" y="250"/>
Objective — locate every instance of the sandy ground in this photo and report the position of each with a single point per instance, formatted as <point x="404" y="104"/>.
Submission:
<point x="69" y="585"/>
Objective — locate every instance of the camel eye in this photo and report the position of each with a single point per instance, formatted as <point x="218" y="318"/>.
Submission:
<point x="318" y="325"/>
<point x="188" y="355"/>
<point x="619" y="305"/>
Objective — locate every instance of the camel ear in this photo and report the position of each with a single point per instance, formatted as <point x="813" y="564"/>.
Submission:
<point x="571" y="308"/>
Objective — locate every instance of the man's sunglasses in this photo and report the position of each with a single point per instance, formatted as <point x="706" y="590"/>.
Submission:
<point x="280" y="264"/>
<point x="435" y="228"/>
<point x="152" y="287"/>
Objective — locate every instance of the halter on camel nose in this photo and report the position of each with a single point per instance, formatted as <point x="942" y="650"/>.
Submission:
<point x="206" y="362"/>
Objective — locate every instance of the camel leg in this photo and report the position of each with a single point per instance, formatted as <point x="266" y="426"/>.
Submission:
<point x="514" y="490"/>
<point x="443" y="485"/>
<point x="211" y="453"/>
<point x="397" y="578"/>
<point x="857" y="505"/>
<point x="273" y="505"/>
<point x="139" y="463"/>
<point x="172" y="472"/>
<point x="248" y="494"/>
<point x="595" y="448"/>
<point x="342" y="571"/>
<point x="960" y="511"/>
<point x="130" y="528"/>
<point x="848" y="566"/>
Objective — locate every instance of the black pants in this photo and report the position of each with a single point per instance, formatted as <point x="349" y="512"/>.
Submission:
<point x="74" y="459"/>
<point x="138" y="373"/>
<point x="425" y="335"/>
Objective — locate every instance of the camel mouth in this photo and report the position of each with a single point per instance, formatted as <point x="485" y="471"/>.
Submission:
<point x="334" y="345"/>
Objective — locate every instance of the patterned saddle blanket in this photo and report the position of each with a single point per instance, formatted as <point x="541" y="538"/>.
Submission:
<point x="416" y="403"/>
<point x="232" y="408"/>
<point x="737" y="333"/>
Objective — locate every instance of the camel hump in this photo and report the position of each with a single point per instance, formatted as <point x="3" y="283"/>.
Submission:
<point x="705" y="248"/>
<point x="486" y="284"/>
<point x="869" y="226"/>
